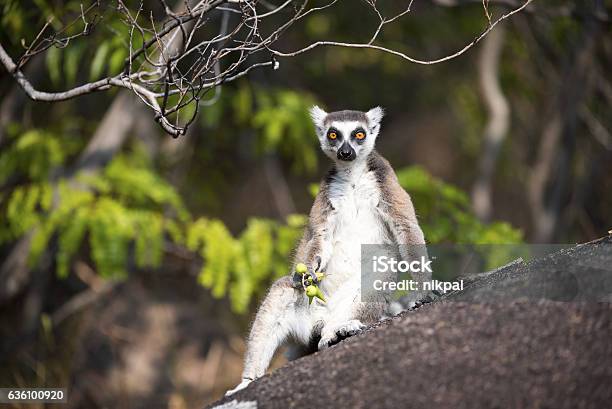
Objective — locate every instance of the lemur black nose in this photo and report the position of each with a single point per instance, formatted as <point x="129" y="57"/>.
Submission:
<point x="346" y="153"/>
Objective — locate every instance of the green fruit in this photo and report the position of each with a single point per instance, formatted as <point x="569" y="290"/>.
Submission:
<point x="301" y="268"/>
<point x="313" y="291"/>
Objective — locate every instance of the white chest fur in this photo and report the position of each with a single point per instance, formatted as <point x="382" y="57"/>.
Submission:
<point x="355" y="196"/>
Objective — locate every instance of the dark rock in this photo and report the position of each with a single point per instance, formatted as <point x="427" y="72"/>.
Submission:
<point x="536" y="351"/>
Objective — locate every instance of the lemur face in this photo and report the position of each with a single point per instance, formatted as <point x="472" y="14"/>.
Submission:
<point x="346" y="136"/>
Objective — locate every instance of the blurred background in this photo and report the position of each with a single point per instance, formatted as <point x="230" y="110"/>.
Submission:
<point x="132" y="262"/>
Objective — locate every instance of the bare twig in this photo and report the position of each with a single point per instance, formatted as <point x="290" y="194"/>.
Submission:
<point x="403" y="55"/>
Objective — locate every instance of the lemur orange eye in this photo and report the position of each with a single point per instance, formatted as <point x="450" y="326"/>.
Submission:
<point x="332" y="135"/>
<point x="360" y="135"/>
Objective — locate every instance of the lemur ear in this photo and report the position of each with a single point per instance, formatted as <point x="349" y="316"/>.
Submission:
<point x="318" y="116"/>
<point x="374" y="116"/>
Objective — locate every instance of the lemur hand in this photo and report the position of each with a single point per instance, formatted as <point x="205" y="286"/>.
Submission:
<point x="313" y="275"/>
<point x="301" y="269"/>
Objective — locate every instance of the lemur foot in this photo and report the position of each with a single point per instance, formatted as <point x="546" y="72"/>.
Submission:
<point x="339" y="332"/>
<point x="415" y="300"/>
<point x="243" y="384"/>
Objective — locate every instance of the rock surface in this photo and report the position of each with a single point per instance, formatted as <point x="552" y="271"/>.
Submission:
<point x="536" y="347"/>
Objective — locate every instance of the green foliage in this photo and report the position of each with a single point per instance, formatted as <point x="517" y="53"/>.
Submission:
<point x="98" y="64"/>
<point x="445" y="215"/>
<point x="124" y="215"/>
<point x="32" y="155"/>
<point x="126" y="204"/>
<point x="246" y="263"/>
<point x="279" y="116"/>
<point x="21" y="210"/>
<point x="285" y="126"/>
<point x="54" y="65"/>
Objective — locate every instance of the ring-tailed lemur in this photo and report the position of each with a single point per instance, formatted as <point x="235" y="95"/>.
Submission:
<point x="359" y="202"/>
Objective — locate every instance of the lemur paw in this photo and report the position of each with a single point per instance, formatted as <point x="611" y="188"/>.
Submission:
<point x="416" y="299"/>
<point x="296" y="277"/>
<point x="339" y="332"/>
<point x="243" y="384"/>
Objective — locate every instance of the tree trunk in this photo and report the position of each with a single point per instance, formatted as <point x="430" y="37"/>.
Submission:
<point x="551" y="172"/>
<point x="497" y="125"/>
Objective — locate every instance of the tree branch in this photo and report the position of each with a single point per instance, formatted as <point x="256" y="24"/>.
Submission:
<point x="159" y="69"/>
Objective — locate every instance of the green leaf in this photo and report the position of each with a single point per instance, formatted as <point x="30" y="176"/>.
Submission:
<point x="72" y="62"/>
<point x="117" y="58"/>
<point x="243" y="102"/>
<point x="54" y="64"/>
<point x="98" y="63"/>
